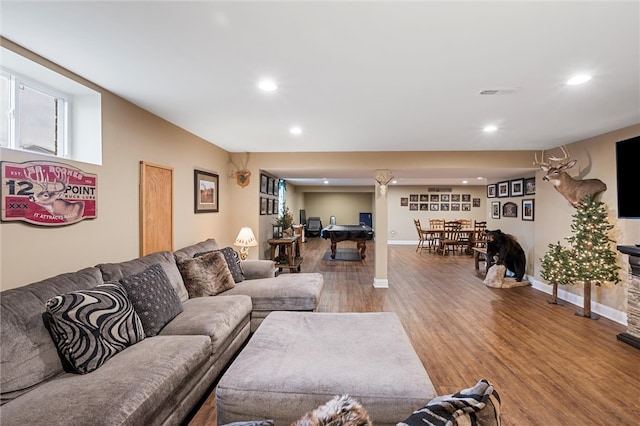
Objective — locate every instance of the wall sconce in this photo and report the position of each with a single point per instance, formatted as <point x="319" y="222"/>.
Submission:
<point x="244" y="240"/>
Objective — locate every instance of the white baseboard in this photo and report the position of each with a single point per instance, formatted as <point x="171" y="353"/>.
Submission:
<point x="380" y="283"/>
<point x="575" y="299"/>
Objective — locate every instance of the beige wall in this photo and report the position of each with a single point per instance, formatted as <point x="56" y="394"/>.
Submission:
<point x="345" y="206"/>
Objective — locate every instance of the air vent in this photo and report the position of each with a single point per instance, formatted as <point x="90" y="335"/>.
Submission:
<point x="490" y="92"/>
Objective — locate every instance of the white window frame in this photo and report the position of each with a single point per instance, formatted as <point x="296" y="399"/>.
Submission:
<point x="16" y="82"/>
<point x="82" y="113"/>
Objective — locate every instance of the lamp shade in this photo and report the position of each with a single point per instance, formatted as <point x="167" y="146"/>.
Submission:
<point x="246" y="238"/>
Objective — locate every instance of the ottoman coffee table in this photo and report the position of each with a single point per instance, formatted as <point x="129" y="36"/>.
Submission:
<point x="297" y="361"/>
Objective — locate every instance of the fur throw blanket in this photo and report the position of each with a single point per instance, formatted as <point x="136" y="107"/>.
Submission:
<point x="495" y="278"/>
<point x="342" y="410"/>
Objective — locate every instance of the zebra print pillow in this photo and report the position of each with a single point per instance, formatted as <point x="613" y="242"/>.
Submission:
<point x="90" y="326"/>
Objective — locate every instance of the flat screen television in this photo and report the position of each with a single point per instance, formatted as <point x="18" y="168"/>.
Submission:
<point x="628" y="178"/>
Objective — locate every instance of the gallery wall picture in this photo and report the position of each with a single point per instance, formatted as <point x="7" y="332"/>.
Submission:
<point x="491" y="191"/>
<point x="509" y="209"/>
<point x="495" y="210"/>
<point x="530" y="186"/>
<point x="503" y="189"/>
<point x="517" y="187"/>
<point x="527" y="209"/>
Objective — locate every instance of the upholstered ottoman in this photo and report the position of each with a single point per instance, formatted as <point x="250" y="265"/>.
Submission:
<point x="297" y="361"/>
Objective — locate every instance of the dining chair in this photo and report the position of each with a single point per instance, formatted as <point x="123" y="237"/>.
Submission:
<point x="421" y="239"/>
<point x="434" y="225"/>
<point x="479" y="238"/>
<point x="450" y="237"/>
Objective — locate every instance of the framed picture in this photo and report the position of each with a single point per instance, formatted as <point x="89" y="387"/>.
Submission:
<point x="205" y="189"/>
<point x="274" y="186"/>
<point x="264" y="180"/>
<point x="466" y="207"/>
<point x="530" y="186"/>
<point x="404" y="201"/>
<point x="495" y="210"/>
<point x="263" y="205"/>
<point x="274" y="210"/>
<point x="434" y="207"/>
<point x="491" y="191"/>
<point x="269" y="206"/>
<point x="424" y="206"/>
<point x="455" y="207"/>
<point x="476" y="202"/>
<point x="269" y="185"/>
<point x="527" y="209"/>
<point x="444" y="198"/>
<point x="424" y="198"/>
<point x="444" y="207"/>
<point x="277" y="231"/>
<point x="466" y="198"/>
<point x="413" y="206"/>
<point x="455" y="198"/>
<point x="434" y="198"/>
<point x="510" y="209"/>
<point x="413" y="198"/>
<point x="517" y="187"/>
<point x="503" y="189"/>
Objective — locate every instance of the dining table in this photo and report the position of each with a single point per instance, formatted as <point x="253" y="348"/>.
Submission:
<point x="466" y="234"/>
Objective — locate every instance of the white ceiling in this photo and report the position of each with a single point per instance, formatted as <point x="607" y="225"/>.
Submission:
<point x="356" y="76"/>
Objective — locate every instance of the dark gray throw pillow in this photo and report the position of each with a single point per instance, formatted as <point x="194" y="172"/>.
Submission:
<point x="233" y="262"/>
<point x="153" y="298"/>
<point x="90" y="326"/>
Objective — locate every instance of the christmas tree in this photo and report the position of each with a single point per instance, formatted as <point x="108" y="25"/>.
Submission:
<point x="590" y="258"/>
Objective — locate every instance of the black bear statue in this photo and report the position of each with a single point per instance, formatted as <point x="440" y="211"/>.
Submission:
<point x="504" y="249"/>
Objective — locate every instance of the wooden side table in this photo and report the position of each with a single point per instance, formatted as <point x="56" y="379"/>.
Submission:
<point x="289" y="248"/>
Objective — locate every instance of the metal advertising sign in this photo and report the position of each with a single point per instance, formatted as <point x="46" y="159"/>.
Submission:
<point x="47" y="193"/>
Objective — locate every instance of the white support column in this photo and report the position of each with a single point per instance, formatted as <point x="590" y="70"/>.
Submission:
<point x="380" y="279"/>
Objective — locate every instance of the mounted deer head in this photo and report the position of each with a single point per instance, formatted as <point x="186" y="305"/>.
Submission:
<point x="242" y="174"/>
<point x="383" y="180"/>
<point x="574" y="190"/>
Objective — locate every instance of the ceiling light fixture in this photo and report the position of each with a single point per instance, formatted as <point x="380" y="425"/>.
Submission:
<point x="267" y="85"/>
<point x="326" y="182"/>
<point x="465" y="182"/>
<point x="578" y="79"/>
<point x="295" y="130"/>
<point x="490" y="128"/>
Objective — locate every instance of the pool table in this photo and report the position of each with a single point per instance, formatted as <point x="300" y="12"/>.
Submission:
<point x="358" y="233"/>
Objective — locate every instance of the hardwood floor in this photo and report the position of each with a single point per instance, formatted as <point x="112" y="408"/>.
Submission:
<point x="550" y="366"/>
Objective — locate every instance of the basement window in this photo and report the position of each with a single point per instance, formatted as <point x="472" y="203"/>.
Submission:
<point x="46" y="113"/>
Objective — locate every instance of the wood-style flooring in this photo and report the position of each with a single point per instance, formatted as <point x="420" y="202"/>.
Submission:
<point x="549" y="366"/>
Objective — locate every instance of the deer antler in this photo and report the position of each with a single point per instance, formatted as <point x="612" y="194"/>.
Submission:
<point x="563" y="159"/>
<point x="540" y="163"/>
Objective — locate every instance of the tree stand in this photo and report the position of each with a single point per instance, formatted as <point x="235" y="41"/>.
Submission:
<point x="586" y="311"/>
<point x="554" y="299"/>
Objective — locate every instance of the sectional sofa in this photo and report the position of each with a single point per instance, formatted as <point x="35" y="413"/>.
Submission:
<point x="74" y="350"/>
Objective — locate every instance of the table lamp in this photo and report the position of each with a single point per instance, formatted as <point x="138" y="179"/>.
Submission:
<point x="244" y="240"/>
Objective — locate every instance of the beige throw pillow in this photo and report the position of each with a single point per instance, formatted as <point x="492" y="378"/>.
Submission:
<point x="206" y="275"/>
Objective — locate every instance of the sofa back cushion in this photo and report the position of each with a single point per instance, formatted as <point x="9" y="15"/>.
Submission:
<point x="201" y="247"/>
<point x="28" y="355"/>
<point x="114" y="272"/>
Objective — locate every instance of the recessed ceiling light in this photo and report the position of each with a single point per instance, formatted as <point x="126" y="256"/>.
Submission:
<point x="326" y="182"/>
<point x="267" y="85"/>
<point x="578" y="79"/>
<point x="479" y="177"/>
<point x="490" y="128"/>
<point x="295" y="130"/>
<point x="394" y="181"/>
<point x="465" y="181"/>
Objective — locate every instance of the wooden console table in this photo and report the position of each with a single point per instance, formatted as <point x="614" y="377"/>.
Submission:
<point x="290" y="249"/>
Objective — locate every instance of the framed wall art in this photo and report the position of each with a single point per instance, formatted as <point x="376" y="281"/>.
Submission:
<point x="527" y="209"/>
<point x="205" y="188"/>
<point x="517" y="187"/>
<point x="503" y="188"/>
<point x="530" y="186"/>
<point x="263" y="205"/>
<point x="495" y="210"/>
<point x="404" y="201"/>
<point x="413" y="198"/>
<point x="413" y="206"/>
<point x="455" y="198"/>
<point x="424" y="206"/>
<point x="510" y="209"/>
<point x="491" y="191"/>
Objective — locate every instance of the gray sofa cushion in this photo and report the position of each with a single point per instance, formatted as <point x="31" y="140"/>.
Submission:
<point x="153" y="298"/>
<point x="233" y="262"/>
<point x="220" y="318"/>
<point x="90" y="326"/>
<point x="27" y="353"/>
<point x="129" y="389"/>
<point x="287" y="292"/>
<point x="206" y="275"/>
<point x="201" y="247"/>
<point x="115" y="271"/>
